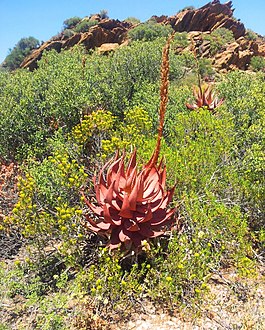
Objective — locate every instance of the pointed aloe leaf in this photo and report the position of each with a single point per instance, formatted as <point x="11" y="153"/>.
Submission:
<point x="125" y="211"/>
<point x="131" y="164"/>
<point x="109" y="195"/>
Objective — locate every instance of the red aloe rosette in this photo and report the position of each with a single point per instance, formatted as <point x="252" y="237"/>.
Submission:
<point x="204" y="97"/>
<point x="131" y="206"/>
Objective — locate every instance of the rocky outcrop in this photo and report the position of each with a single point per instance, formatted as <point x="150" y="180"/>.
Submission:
<point x="237" y="55"/>
<point x="106" y="31"/>
<point x="208" y="18"/>
<point x="108" y="34"/>
<point x="234" y="55"/>
<point x="31" y="60"/>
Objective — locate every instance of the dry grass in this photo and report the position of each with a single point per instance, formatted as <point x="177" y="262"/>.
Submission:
<point x="232" y="303"/>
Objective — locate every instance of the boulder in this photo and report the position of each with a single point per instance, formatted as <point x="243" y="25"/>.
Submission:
<point x="107" y="48"/>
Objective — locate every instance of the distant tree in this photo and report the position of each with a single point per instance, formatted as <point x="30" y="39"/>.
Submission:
<point x="251" y="35"/>
<point x="149" y="31"/>
<point x="19" y="52"/>
<point x="257" y="63"/>
<point x="85" y="25"/>
<point x="187" y="8"/>
<point x="71" y="22"/>
<point x="68" y="33"/>
<point x="103" y="14"/>
<point x="132" y="20"/>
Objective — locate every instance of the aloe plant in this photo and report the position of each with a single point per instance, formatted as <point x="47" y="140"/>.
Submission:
<point x="204" y="97"/>
<point x="133" y="206"/>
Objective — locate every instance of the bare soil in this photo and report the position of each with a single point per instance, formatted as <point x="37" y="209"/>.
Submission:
<point x="232" y="303"/>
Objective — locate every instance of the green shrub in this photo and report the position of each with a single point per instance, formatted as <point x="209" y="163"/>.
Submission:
<point x="187" y="8"/>
<point x="48" y="208"/>
<point x="218" y="39"/>
<point x="257" y="63"/>
<point x="40" y="106"/>
<point x="103" y="14"/>
<point x="70" y="23"/>
<point x="149" y="31"/>
<point x="223" y="34"/>
<point x="180" y="40"/>
<point x="245" y="100"/>
<point x="34" y="105"/>
<point x="199" y="146"/>
<point x="205" y="68"/>
<point x="251" y="35"/>
<point x="85" y="25"/>
<point x="132" y="20"/>
<point x="19" y="52"/>
<point x="68" y="33"/>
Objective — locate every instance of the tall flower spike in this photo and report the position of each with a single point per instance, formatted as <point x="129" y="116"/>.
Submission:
<point x="131" y="205"/>
<point x="163" y="97"/>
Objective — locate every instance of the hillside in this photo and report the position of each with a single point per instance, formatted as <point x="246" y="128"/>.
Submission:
<point x="132" y="183"/>
<point x="107" y="34"/>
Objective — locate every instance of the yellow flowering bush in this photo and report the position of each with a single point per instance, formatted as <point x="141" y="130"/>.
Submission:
<point x="108" y="135"/>
<point x="48" y="209"/>
<point x="99" y="121"/>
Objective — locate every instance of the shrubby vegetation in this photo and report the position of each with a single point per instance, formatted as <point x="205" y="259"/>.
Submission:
<point x="84" y="25"/>
<point x="257" y="63"/>
<point x="19" y="52"/>
<point x="76" y="25"/>
<point x="132" y="20"/>
<point x="103" y="13"/>
<point x="57" y="94"/>
<point x="70" y="23"/>
<point x="187" y="8"/>
<point x="64" y="120"/>
<point x="218" y="39"/>
<point x="251" y="35"/>
<point x="149" y="31"/>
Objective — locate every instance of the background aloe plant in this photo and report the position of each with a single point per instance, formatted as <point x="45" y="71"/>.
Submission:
<point x="204" y="97"/>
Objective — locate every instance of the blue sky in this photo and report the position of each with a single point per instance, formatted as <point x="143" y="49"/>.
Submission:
<point x="43" y="19"/>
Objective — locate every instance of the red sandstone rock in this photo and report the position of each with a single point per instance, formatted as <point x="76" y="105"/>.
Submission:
<point x="212" y="16"/>
<point x="106" y="31"/>
<point x="208" y="18"/>
<point x="237" y="55"/>
<point x="107" y="48"/>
